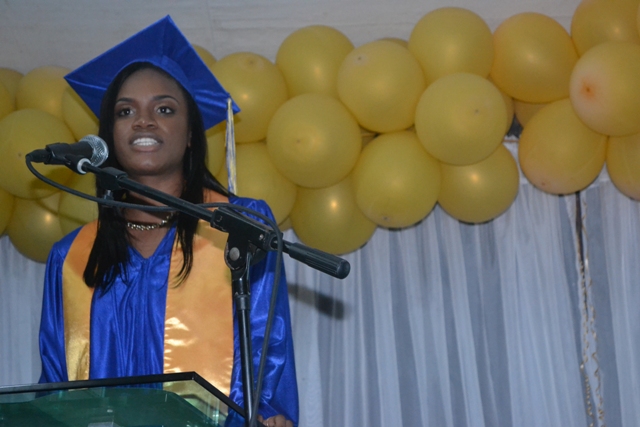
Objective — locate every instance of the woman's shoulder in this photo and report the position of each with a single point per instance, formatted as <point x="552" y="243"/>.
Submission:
<point x="247" y="202"/>
<point x="211" y="196"/>
<point x="60" y="249"/>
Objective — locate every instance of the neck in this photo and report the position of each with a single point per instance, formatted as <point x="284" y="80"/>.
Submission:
<point x="172" y="185"/>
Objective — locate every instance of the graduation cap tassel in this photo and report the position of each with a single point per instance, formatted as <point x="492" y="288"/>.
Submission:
<point x="230" y="142"/>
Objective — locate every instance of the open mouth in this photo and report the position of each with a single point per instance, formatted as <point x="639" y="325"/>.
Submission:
<point x="145" y="142"/>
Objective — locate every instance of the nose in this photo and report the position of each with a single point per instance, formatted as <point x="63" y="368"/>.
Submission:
<point x="143" y="121"/>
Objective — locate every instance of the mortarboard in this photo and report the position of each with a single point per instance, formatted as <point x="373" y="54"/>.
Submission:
<point x="163" y="45"/>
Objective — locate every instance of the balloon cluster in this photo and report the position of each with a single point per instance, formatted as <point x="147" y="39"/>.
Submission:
<point x="340" y="139"/>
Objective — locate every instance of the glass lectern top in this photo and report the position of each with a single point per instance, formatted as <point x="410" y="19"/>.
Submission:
<point x="171" y="400"/>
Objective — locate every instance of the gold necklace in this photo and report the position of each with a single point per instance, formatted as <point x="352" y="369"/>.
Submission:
<point x="146" y="227"/>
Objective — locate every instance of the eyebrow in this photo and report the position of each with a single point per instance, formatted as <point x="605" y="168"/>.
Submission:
<point x="155" y="98"/>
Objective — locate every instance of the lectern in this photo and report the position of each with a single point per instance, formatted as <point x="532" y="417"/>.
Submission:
<point x="169" y="400"/>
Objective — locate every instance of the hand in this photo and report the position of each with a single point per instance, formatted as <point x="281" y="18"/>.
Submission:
<point x="276" y="421"/>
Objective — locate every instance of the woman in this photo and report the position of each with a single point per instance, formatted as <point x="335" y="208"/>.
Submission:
<point x="140" y="293"/>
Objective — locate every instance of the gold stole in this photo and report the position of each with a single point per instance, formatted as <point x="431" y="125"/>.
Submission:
<point x="199" y="314"/>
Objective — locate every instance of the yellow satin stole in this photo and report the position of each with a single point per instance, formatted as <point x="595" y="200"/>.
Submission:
<point x="199" y="314"/>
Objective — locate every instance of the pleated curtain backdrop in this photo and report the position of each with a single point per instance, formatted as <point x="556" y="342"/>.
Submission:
<point x="448" y="324"/>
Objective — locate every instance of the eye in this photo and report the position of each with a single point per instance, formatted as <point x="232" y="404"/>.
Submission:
<point x="123" y="112"/>
<point x="165" y="110"/>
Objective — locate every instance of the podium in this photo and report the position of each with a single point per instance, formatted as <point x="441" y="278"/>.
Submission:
<point x="168" y="400"/>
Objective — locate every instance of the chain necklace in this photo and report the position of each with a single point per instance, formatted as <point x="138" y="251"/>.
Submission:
<point x="146" y="227"/>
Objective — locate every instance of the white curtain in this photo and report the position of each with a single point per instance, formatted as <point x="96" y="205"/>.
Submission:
<point x="448" y="324"/>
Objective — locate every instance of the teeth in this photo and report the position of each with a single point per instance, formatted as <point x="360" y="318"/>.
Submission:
<point x="145" y="142"/>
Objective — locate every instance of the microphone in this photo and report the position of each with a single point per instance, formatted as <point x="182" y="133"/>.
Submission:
<point x="90" y="149"/>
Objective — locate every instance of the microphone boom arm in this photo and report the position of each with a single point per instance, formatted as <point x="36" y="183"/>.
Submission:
<point x="227" y="220"/>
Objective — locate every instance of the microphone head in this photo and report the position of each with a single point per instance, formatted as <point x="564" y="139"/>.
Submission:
<point x="99" y="147"/>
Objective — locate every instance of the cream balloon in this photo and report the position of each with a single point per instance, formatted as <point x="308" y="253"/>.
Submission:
<point x="533" y="58"/>
<point x="20" y="133"/>
<point x="258" y="178"/>
<point x="34" y="226"/>
<point x="452" y="40"/>
<point x="599" y="21"/>
<point x="380" y="83"/>
<point x="42" y="89"/>
<point x="396" y="181"/>
<point x="558" y="153"/>
<point x="461" y="118"/>
<point x="77" y="115"/>
<point x="6" y="209"/>
<point x="74" y="211"/>
<point x="310" y="57"/>
<point x="329" y="219"/>
<point x="257" y="86"/>
<point x="10" y="79"/>
<point x="313" y="140"/>
<point x="623" y="164"/>
<point x="605" y="88"/>
<point x="480" y="192"/>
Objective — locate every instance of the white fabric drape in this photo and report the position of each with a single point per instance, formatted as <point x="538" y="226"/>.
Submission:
<point x="444" y="323"/>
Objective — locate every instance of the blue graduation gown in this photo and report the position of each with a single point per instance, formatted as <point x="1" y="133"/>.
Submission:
<point x="127" y="324"/>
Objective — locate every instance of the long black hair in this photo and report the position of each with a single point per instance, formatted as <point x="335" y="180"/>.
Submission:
<point x="110" y="252"/>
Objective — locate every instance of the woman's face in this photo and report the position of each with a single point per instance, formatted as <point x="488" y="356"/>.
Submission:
<point x="151" y="126"/>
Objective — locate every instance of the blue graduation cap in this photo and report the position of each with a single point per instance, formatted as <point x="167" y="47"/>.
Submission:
<point x="163" y="45"/>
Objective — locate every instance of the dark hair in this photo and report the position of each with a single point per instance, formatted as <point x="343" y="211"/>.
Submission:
<point x="110" y="252"/>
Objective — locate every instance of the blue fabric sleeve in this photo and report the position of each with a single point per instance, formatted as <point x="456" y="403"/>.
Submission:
<point x="279" y="389"/>
<point x="52" y="348"/>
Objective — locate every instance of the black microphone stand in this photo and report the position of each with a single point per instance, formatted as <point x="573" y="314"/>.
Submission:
<point x="248" y="240"/>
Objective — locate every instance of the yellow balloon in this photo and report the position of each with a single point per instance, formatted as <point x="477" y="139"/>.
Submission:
<point x="510" y="106"/>
<point x="534" y="56"/>
<point x="380" y="83"/>
<point x="328" y="219"/>
<point x="42" y="89"/>
<point x="310" y="57"/>
<point x="6" y="102"/>
<point x="605" y="88"/>
<point x="461" y="118"/>
<point x="452" y="40"/>
<point x="20" y="133"/>
<point x="216" y="147"/>
<point x="558" y="153"/>
<point x="258" y="88"/>
<point x="10" y="79"/>
<point x="526" y="110"/>
<point x="402" y="42"/>
<point x="480" y="192"/>
<point x="599" y="21"/>
<point x="286" y="224"/>
<point x="258" y="178"/>
<point x="34" y="226"/>
<point x="313" y="140"/>
<point x="396" y="181"/>
<point x="77" y="115"/>
<point x="206" y="56"/>
<point x="6" y="209"/>
<point x="74" y="211"/>
<point x="367" y="136"/>
<point x="623" y="164"/>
